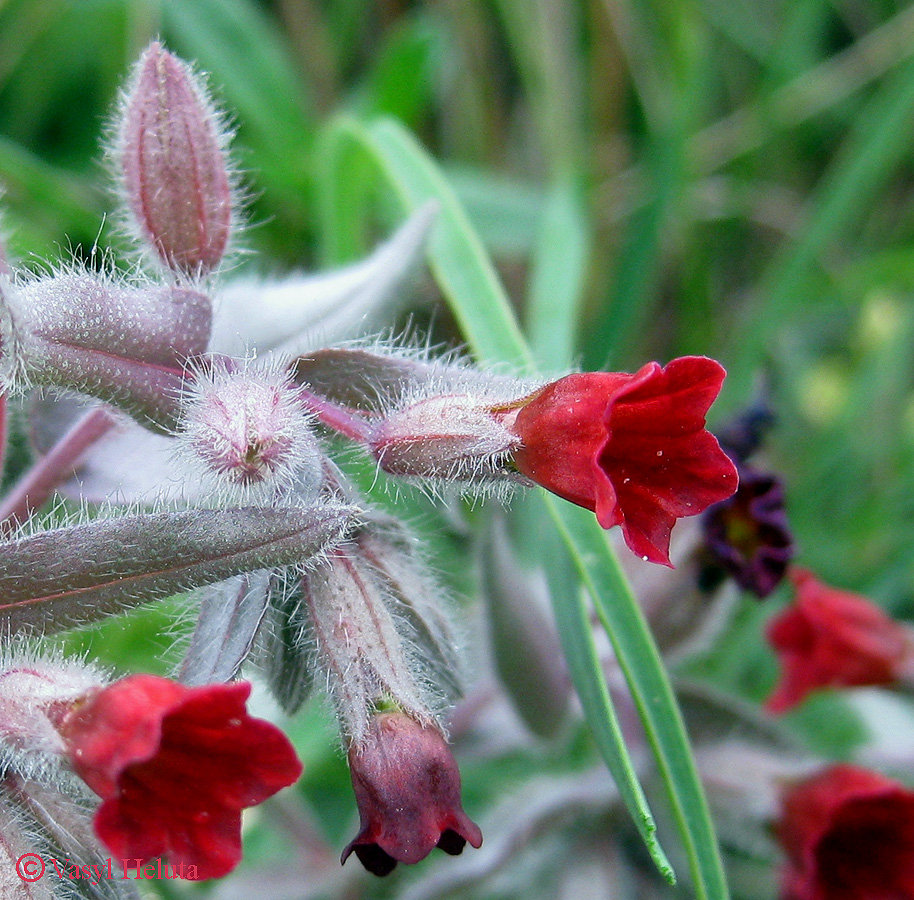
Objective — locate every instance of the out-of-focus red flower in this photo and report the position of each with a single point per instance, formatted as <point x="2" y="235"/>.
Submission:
<point x="832" y="638"/>
<point x="849" y="835"/>
<point x="407" y="787"/>
<point x="175" y="766"/>
<point x="633" y="448"/>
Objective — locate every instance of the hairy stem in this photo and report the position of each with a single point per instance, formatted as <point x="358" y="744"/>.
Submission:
<point x="341" y="419"/>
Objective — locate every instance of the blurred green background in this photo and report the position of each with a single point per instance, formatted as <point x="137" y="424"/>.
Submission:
<point x="651" y="179"/>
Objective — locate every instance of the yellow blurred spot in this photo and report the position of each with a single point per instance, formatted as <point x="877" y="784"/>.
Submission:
<point x="880" y="318"/>
<point x="823" y="392"/>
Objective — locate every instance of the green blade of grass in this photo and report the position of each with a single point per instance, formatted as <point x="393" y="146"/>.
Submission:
<point x="877" y="145"/>
<point x="456" y="255"/>
<point x="478" y="301"/>
<point x="572" y="620"/>
<point x="557" y="278"/>
<point x="640" y="662"/>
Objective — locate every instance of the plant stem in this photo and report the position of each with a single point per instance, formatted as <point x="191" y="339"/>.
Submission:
<point x="341" y="419"/>
<point x="39" y="482"/>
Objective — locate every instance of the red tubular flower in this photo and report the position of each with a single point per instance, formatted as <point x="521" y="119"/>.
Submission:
<point x="175" y="766"/>
<point x="832" y="638"/>
<point x="849" y="835"/>
<point x="633" y="448"/>
<point x="407" y="787"/>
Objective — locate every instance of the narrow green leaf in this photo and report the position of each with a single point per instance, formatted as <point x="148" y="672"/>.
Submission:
<point x="457" y="257"/>
<point x="576" y="633"/>
<point x="557" y="279"/>
<point x="637" y="656"/>
<point x="876" y="146"/>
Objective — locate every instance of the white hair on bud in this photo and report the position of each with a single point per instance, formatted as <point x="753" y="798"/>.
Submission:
<point x="114" y="139"/>
<point x="246" y="434"/>
<point x="29" y="744"/>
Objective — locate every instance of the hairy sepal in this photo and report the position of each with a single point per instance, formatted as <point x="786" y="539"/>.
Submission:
<point x="230" y="615"/>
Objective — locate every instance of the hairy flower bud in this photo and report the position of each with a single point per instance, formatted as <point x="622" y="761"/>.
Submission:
<point x="407" y="787"/>
<point x="452" y="436"/>
<point x="367" y="658"/>
<point x="246" y="431"/>
<point x="125" y="345"/>
<point x="170" y="155"/>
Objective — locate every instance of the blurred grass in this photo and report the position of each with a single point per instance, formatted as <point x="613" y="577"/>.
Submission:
<point x="651" y="179"/>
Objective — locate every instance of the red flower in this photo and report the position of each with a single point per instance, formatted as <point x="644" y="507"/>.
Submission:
<point x="832" y="638"/>
<point x="633" y="448"/>
<point x="175" y="766"/>
<point x="407" y="787"/>
<point x="849" y="835"/>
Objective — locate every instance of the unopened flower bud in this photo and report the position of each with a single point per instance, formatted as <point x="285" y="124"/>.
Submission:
<point x="245" y="429"/>
<point x="452" y="436"/>
<point x="125" y="345"/>
<point x="171" y="158"/>
<point x="407" y="787"/>
<point x="367" y="659"/>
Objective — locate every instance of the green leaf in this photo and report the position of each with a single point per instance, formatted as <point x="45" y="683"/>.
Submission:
<point x="457" y="257"/>
<point x="878" y="144"/>
<point x="640" y="662"/>
<point x="557" y="279"/>
<point x="576" y="632"/>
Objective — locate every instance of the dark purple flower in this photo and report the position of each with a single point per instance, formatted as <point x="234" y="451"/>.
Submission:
<point x="748" y="536"/>
<point x="407" y="787"/>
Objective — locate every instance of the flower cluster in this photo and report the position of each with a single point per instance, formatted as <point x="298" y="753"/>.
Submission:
<point x="206" y="399"/>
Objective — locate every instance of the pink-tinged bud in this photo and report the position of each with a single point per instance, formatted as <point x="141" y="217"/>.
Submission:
<point x="452" y="436"/>
<point x="171" y="157"/>
<point x="125" y="345"/>
<point x="245" y="429"/>
<point x="833" y="638"/>
<point x="632" y="448"/>
<point x="848" y="833"/>
<point x="29" y="691"/>
<point x="407" y="787"/>
<point x="138" y="740"/>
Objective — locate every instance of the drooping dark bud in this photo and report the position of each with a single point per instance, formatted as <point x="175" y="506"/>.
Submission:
<point x="407" y="787"/>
